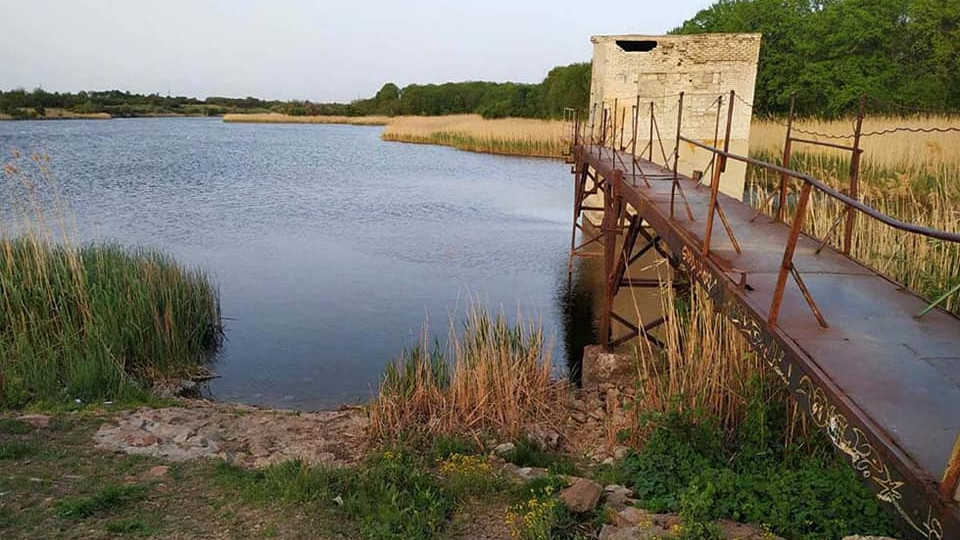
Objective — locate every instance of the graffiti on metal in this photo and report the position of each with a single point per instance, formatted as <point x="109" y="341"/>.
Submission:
<point x="849" y="439"/>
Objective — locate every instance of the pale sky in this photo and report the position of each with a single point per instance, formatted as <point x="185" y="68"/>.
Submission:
<point x="297" y="49"/>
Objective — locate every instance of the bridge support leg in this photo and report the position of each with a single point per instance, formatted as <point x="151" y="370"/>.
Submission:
<point x="612" y="224"/>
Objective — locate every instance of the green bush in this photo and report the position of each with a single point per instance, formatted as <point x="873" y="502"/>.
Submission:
<point x="799" y="493"/>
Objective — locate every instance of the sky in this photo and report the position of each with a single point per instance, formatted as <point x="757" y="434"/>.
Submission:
<point x="298" y="49"/>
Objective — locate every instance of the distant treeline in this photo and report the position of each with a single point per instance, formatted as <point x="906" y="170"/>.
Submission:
<point x="830" y="52"/>
<point x="565" y="86"/>
<point x="20" y="103"/>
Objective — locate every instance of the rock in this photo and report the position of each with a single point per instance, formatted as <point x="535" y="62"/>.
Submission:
<point x="242" y="436"/>
<point x="732" y="529"/>
<point x="597" y="414"/>
<point x="608" y="461"/>
<point x="579" y="405"/>
<point x="578" y="417"/>
<point x="600" y="367"/>
<point x="35" y="420"/>
<point x="545" y="437"/>
<point x="612" y="400"/>
<point x="610" y="532"/>
<point x="582" y="495"/>
<point x="158" y="472"/>
<point x="617" y="496"/>
<point x="140" y="440"/>
<point x="620" y="452"/>
<point x="504" y="449"/>
<point x="632" y="516"/>
<point x="529" y="473"/>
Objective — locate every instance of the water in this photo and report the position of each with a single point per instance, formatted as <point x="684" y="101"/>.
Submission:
<point x="330" y="247"/>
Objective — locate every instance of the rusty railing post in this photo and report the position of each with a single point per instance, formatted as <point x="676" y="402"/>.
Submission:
<point x="650" y="152"/>
<point x="633" y="151"/>
<point x="951" y="475"/>
<point x="623" y="121"/>
<point x="782" y="204"/>
<point x="854" y="181"/>
<point x="726" y="138"/>
<point x="613" y="131"/>
<point x="676" y="154"/>
<point x="787" y="264"/>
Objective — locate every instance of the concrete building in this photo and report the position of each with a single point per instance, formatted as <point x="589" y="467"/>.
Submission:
<point x="657" y="69"/>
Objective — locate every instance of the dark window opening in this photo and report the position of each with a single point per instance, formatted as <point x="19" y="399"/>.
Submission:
<point x="643" y="45"/>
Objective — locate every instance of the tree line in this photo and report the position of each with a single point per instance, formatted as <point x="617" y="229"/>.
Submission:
<point x="901" y="54"/>
<point x="564" y="86"/>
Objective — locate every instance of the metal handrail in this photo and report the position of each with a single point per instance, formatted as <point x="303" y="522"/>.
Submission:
<point x="840" y="196"/>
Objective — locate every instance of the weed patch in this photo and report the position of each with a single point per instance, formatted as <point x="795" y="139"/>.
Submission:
<point x="109" y="498"/>
<point x="12" y="426"/>
<point x="130" y="526"/>
<point x="688" y="467"/>
<point x="389" y="497"/>
<point x="16" y="450"/>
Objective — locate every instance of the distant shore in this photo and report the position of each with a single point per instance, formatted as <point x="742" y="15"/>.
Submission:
<point x="277" y="118"/>
<point x="57" y="114"/>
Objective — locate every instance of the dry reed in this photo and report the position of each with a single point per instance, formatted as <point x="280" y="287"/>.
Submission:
<point x="277" y="118"/>
<point x="509" y="136"/>
<point x="892" y="151"/>
<point x="491" y="379"/>
<point x="706" y="367"/>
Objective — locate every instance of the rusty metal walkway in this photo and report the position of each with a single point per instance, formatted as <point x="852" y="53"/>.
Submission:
<point x="882" y="383"/>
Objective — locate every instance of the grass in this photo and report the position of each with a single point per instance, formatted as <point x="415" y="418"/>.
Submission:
<point x="57" y="114"/>
<point x="277" y="118"/>
<point x="108" y="498"/>
<point x="492" y="379"/>
<point x="70" y="490"/>
<point x="97" y="322"/>
<point x="391" y="496"/>
<point x="510" y="136"/>
<point x="692" y="467"/>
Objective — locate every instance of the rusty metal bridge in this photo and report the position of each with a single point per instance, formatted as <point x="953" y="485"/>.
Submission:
<point x="875" y="366"/>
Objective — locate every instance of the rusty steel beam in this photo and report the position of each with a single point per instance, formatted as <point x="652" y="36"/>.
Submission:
<point x="894" y="475"/>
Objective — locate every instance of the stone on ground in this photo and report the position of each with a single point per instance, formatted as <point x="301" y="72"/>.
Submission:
<point x="504" y="449"/>
<point x="35" y="420"/>
<point x="582" y="495"/>
<point x="238" y="434"/>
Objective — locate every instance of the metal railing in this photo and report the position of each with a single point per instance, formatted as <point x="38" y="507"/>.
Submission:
<point x="606" y="138"/>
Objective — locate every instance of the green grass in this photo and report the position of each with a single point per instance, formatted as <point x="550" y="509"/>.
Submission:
<point x="130" y="526"/>
<point x="15" y="450"/>
<point x="98" y="323"/>
<point x="527" y="453"/>
<point x="391" y="496"/>
<point x="107" y="499"/>
<point x="802" y="493"/>
<point x="12" y="426"/>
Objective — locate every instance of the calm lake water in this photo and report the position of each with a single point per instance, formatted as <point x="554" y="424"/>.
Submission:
<point x="330" y="247"/>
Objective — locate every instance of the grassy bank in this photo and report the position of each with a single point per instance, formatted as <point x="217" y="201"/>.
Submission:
<point x="98" y="322"/>
<point x="509" y="136"/>
<point x="277" y="118"/>
<point x="54" y="114"/>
